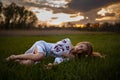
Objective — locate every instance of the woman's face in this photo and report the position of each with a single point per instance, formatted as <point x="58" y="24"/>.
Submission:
<point x="80" y="48"/>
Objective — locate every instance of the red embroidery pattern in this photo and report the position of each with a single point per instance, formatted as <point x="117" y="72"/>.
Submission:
<point x="61" y="47"/>
<point x="67" y="47"/>
<point x="58" y="48"/>
<point x="64" y="41"/>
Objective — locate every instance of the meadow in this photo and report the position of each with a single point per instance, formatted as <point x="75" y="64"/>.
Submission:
<point x="89" y="68"/>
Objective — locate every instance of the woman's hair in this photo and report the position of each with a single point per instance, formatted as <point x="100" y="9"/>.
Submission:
<point x="88" y="51"/>
<point x="89" y="47"/>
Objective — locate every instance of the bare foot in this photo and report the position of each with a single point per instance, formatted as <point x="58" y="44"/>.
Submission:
<point x="12" y="57"/>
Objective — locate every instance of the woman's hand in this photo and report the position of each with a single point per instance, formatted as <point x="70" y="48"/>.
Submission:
<point x="50" y="65"/>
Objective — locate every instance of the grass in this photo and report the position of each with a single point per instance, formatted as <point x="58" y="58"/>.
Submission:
<point x="82" y="69"/>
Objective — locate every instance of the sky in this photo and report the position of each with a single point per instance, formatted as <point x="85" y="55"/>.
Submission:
<point x="57" y="12"/>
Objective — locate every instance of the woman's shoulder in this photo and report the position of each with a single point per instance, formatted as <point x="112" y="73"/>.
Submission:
<point x="66" y="40"/>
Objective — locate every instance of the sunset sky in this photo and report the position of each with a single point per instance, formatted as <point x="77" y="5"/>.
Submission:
<point x="56" y="12"/>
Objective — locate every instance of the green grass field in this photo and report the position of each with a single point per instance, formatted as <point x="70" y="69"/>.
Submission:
<point x="81" y="69"/>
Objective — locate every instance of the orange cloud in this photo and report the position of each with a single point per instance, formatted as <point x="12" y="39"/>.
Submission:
<point x="111" y="12"/>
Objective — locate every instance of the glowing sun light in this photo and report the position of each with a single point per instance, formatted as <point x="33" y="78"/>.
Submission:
<point x="102" y="12"/>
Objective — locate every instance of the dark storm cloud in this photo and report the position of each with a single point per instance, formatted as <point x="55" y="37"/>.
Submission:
<point x="87" y="8"/>
<point x="39" y="4"/>
<point x="87" y="5"/>
<point x="73" y="6"/>
<point x="30" y="4"/>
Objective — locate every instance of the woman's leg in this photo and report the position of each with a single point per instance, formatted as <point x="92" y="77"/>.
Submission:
<point x="26" y="62"/>
<point x="35" y="57"/>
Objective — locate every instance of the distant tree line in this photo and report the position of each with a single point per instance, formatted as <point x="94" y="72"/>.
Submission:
<point x="16" y="17"/>
<point x="110" y="27"/>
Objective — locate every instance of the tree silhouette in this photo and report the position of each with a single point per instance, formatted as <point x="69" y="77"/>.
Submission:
<point x="1" y="15"/>
<point x="9" y="12"/>
<point x="18" y="17"/>
<point x="1" y="7"/>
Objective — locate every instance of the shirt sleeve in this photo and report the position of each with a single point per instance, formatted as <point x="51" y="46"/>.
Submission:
<point x="59" y="60"/>
<point x="61" y="47"/>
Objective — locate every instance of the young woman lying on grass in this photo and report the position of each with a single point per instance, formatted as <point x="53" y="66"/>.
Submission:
<point x="60" y="50"/>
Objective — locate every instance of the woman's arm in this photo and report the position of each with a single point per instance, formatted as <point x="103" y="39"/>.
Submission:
<point x="97" y="54"/>
<point x="57" y="61"/>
